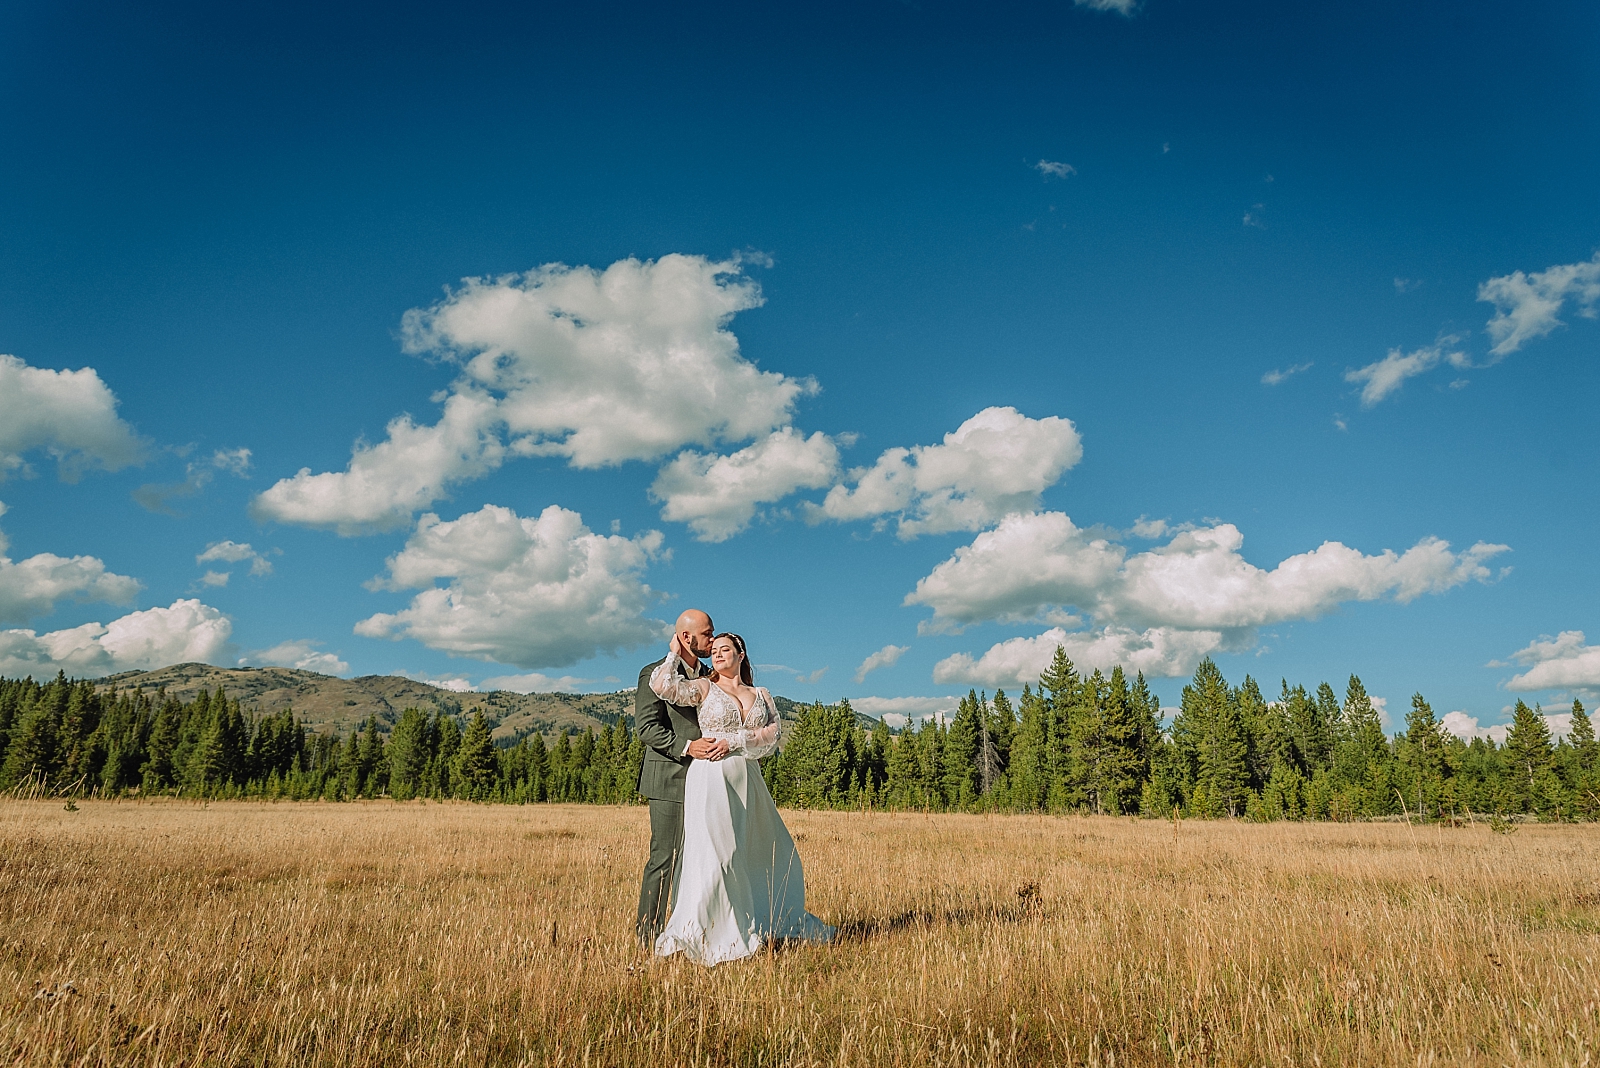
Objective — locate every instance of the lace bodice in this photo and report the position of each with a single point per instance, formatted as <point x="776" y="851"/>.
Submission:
<point x="754" y="734"/>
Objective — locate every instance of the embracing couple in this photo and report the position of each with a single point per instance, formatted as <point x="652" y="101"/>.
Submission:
<point x="723" y="876"/>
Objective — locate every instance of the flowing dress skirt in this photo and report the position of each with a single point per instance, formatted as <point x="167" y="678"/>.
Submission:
<point x="739" y="878"/>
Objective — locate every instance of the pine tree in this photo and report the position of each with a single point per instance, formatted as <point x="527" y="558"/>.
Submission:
<point x="1059" y="685"/>
<point x="902" y="787"/>
<point x="1253" y="724"/>
<point x="1330" y="722"/>
<point x="1118" y="779"/>
<point x="1361" y="758"/>
<point x="930" y="751"/>
<point x="1002" y="722"/>
<point x="1528" y="757"/>
<point x="448" y="731"/>
<point x="877" y="757"/>
<point x="1147" y="712"/>
<point x="1223" y="777"/>
<point x="1189" y="729"/>
<point x="802" y="772"/>
<point x="1422" y="756"/>
<point x="158" y="772"/>
<point x="1584" y="770"/>
<point x="1027" y="772"/>
<point x="961" y="740"/>
<point x="371" y="775"/>
<point x="81" y="759"/>
<point x="208" y="768"/>
<point x="475" y="764"/>
<point x="33" y="751"/>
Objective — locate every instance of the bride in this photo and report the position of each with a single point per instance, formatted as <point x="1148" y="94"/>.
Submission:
<point x="739" y="878"/>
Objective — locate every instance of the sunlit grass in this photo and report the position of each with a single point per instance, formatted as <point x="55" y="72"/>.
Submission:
<point x="379" y="933"/>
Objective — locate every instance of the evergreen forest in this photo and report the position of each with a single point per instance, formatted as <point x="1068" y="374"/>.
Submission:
<point x="1076" y="743"/>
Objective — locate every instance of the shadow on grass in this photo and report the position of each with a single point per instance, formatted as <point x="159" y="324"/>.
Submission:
<point x="868" y="928"/>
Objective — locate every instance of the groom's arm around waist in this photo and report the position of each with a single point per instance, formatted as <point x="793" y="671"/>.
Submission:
<point x="651" y="721"/>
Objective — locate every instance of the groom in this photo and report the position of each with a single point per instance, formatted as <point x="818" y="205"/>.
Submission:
<point x="671" y="737"/>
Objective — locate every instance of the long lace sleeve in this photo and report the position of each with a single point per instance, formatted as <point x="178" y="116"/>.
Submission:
<point x="757" y="742"/>
<point x="671" y="687"/>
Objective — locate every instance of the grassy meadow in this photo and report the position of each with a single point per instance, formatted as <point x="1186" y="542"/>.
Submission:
<point x="422" y="933"/>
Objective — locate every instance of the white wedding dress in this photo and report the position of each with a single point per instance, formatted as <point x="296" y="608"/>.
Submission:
<point x="739" y="880"/>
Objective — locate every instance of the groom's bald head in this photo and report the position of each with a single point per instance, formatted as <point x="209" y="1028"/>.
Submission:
<point x="695" y="630"/>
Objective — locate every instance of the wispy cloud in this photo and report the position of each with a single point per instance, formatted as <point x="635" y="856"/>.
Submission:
<point x="1274" y="377"/>
<point x="885" y="657"/>
<point x="1125" y="8"/>
<point x="1253" y="219"/>
<point x="1052" y="169"/>
<point x="234" y="552"/>
<point x="198" y="474"/>
<point x="1527" y="306"/>
<point x="1382" y="378"/>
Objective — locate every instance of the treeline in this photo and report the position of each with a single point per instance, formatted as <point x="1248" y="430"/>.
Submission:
<point x="1088" y="743"/>
<point x="64" y="737"/>
<point x="1077" y="743"/>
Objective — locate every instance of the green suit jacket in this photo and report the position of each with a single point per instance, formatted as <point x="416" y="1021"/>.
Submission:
<point x="666" y="731"/>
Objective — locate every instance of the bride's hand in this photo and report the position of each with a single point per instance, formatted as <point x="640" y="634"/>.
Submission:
<point x="707" y="749"/>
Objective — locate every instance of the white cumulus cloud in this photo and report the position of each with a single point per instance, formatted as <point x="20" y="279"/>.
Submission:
<point x="1161" y="610"/>
<point x="1381" y="379"/>
<point x="600" y="367"/>
<point x="1465" y="726"/>
<point x="534" y="682"/>
<point x="72" y="415"/>
<point x="233" y="552"/>
<point x="899" y="711"/>
<point x="35" y="585"/>
<point x="998" y="462"/>
<point x="453" y="683"/>
<point x="1030" y="561"/>
<point x="533" y="592"/>
<point x="1198" y="581"/>
<point x="718" y="495"/>
<point x="1528" y="306"/>
<point x="386" y="483"/>
<point x="1564" y="662"/>
<point x="185" y="631"/>
<point x="301" y="653"/>
<point x="1159" y="652"/>
<point x="885" y="657"/>
<point x="1053" y="169"/>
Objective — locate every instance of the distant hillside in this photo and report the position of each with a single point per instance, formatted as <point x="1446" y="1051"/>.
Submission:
<point x="328" y="703"/>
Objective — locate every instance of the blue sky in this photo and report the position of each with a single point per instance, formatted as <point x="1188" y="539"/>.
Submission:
<point x="941" y="332"/>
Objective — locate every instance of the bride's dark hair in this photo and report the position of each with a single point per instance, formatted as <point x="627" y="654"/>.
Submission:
<point x="747" y="674"/>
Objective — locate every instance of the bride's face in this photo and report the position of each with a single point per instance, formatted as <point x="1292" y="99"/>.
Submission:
<point x="725" y="658"/>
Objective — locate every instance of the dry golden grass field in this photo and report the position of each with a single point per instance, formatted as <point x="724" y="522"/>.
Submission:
<point x="391" y="934"/>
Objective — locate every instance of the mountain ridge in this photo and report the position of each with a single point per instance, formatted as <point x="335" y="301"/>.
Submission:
<point x="330" y="703"/>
